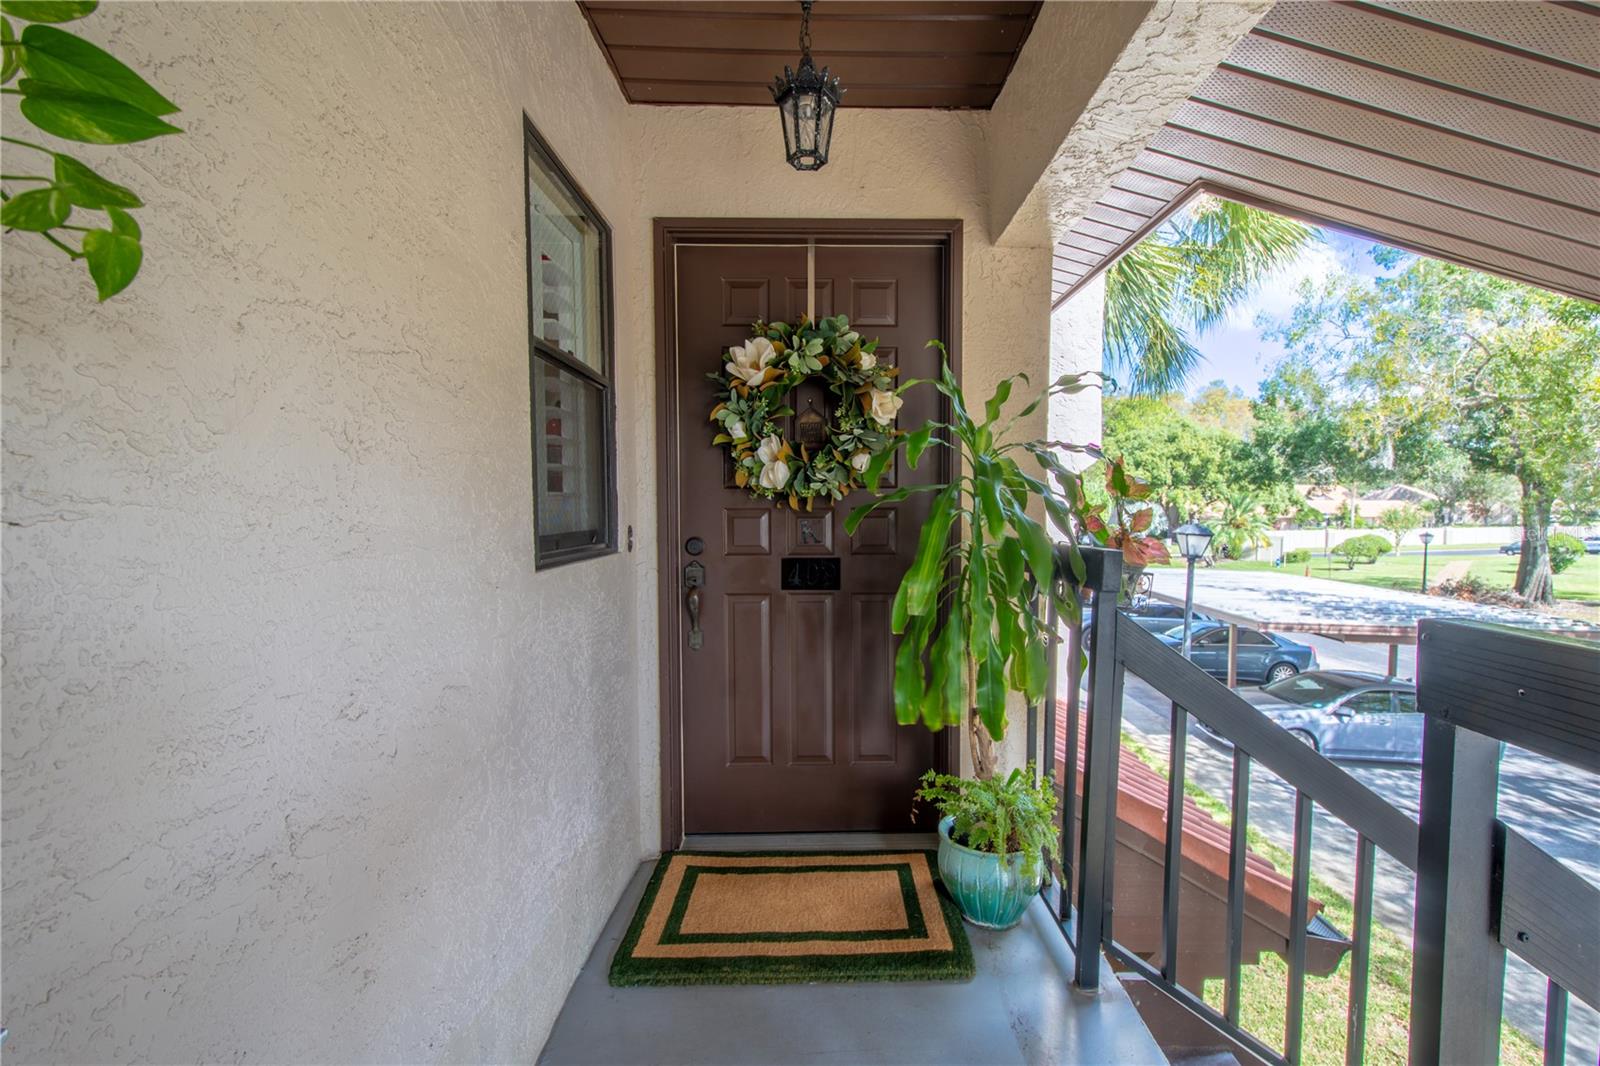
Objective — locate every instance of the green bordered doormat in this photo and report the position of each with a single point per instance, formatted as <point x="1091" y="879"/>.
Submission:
<point x="753" y="918"/>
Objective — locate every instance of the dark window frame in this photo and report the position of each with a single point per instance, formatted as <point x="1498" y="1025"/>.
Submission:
<point x="581" y="545"/>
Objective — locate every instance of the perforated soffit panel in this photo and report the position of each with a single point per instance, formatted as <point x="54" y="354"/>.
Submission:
<point x="1467" y="131"/>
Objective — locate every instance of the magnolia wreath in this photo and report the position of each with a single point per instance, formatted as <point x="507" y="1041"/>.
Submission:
<point x="830" y="454"/>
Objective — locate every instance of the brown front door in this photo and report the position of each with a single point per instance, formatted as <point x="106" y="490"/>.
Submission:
<point x="786" y="707"/>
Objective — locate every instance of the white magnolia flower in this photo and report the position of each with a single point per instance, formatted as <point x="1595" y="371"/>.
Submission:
<point x="775" y="475"/>
<point x="885" y="405"/>
<point x="861" y="460"/>
<point x="737" y="431"/>
<point x="774" y="471"/>
<point x="868" y="360"/>
<point x="748" y="361"/>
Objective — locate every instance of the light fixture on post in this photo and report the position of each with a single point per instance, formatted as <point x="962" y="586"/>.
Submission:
<point x="806" y="100"/>
<point x="1194" y="540"/>
<point x="1427" y="539"/>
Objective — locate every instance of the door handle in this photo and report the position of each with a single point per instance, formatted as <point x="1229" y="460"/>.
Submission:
<point x="694" y="578"/>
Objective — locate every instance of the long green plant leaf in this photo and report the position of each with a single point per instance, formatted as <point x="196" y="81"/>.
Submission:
<point x="87" y="117"/>
<point x="64" y="59"/>
<point x="48" y="10"/>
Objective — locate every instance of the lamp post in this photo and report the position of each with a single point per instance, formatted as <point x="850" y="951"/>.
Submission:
<point x="1427" y="539"/>
<point x="1193" y="540"/>
<point x="1327" y="560"/>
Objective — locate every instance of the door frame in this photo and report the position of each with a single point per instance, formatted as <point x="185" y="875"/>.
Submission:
<point x="669" y="233"/>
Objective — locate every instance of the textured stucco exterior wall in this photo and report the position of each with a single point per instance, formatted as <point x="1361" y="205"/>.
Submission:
<point x="1092" y="85"/>
<point x="1077" y="342"/>
<point x="302" y="761"/>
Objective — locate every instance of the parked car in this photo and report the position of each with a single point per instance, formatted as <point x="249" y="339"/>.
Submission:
<point x="1591" y="545"/>
<point x="1152" y="617"/>
<point x="1262" y="656"/>
<point x="1345" y="714"/>
<point x="1514" y="548"/>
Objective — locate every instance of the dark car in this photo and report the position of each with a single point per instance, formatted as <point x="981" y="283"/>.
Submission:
<point x="1591" y="545"/>
<point x="1346" y="714"/>
<point x="1262" y="656"/>
<point x="1152" y="617"/>
<point x="1514" y="548"/>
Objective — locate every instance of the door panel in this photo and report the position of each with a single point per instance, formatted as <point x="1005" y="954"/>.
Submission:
<point x="787" y="705"/>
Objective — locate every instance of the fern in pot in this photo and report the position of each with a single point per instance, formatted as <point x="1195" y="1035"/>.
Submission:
<point x="971" y="614"/>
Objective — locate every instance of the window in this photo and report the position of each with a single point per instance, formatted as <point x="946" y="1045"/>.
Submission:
<point x="1370" y="703"/>
<point x="1253" y="636"/>
<point x="569" y="364"/>
<point x="1405" y="702"/>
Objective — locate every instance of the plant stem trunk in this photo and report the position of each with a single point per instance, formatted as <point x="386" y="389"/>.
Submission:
<point x="1535" y="581"/>
<point x="977" y="735"/>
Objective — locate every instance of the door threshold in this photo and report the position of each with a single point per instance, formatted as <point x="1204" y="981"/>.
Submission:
<point x="868" y="841"/>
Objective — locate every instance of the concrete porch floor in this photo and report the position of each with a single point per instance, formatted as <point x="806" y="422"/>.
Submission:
<point x="1020" y="1007"/>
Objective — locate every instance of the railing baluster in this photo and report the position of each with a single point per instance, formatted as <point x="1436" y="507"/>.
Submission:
<point x="1172" y="884"/>
<point x="1069" y="772"/>
<point x="1238" y="849"/>
<point x="1100" y="778"/>
<point x="1299" y="895"/>
<point x="1555" y="1025"/>
<point x="1355" y="1034"/>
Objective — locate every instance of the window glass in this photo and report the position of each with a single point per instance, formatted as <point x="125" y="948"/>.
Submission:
<point x="569" y="449"/>
<point x="569" y="365"/>
<point x="1308" y="689"/>
<point x="1405" y="702"/>
<point x="1370" y="703"/>
<point x="563" y="269"/>
<point x="1253" y="636"/>
<point x="1215" y="636"/>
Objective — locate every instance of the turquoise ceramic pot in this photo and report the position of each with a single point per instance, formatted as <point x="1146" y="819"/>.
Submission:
<point x="989" y="888"/>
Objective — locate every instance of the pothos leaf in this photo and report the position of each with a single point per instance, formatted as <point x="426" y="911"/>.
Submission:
<point x="87" y="189"/>
<point x="48" y="10"/>
<point x="87" y="117"/>
<point x="10" y="54"/>
<point x="36" y="210"/>
<point x="64" y="59"/>
<point x="113" y="259"/>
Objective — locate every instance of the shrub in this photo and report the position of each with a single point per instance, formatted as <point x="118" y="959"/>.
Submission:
<point x="1477" y="590"/>
<point x="1363" y="549"/>
<point x="1565" y="549"/>
<point x="1298" y="555"/>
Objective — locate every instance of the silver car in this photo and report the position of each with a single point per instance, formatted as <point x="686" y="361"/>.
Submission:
<point x="1346" y="714"/>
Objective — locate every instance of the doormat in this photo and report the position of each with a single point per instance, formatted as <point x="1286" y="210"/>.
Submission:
<point x="767" y="918"/>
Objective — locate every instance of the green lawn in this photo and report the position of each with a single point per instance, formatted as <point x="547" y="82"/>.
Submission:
<point x="1264" y="988"/>
<point x="1579" y="583"/>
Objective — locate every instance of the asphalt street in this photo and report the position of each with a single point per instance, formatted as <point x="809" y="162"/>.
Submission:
<point x="1554" y="806"/>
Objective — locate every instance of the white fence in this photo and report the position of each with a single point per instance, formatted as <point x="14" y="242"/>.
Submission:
<point x="1285" y="540"/>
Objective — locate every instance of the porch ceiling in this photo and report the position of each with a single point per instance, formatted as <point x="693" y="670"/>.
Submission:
<point x="1463" y="130"/>
<point x="928" y="53"/>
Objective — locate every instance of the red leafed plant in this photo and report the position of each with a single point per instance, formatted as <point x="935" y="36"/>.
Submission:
<point x="1126" y="531"/>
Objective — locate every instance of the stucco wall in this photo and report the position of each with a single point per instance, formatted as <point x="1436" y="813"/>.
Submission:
<point x="302" y="761"/>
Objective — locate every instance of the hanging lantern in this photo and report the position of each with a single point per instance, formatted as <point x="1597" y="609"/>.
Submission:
<point x="806" y="101"/>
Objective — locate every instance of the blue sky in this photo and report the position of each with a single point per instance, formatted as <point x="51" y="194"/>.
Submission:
<point x="1235" y="352"/>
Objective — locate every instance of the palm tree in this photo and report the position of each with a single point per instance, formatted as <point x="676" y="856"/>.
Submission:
<point x="1243" y="526"/>
<point x="1181" y="281"/>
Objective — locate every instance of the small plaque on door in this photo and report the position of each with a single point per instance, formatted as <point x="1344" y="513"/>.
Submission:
<point x="810" y="574"/>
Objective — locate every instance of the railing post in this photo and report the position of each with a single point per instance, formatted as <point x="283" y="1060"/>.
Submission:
<point x="1097" y="854"/>
<point x="1458" y="967"/>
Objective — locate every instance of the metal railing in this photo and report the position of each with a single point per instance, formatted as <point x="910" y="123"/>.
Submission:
<point x="1536" y="908"/>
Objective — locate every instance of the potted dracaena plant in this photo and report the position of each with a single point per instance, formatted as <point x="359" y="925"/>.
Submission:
<point x="971" y="616"/>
